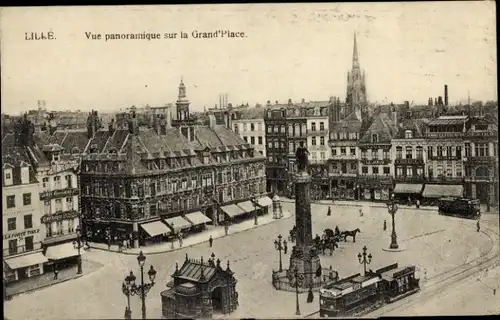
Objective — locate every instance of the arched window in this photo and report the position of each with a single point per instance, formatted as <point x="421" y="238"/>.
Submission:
<point x="399" y="152"/>
<point x="482" y="172"/>
<point x="409" y="152"/>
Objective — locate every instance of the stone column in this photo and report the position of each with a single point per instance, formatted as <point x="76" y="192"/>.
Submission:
<point x="473" y="190"/>
<point x="135" y="231"/>
<point x="303" y="256"/>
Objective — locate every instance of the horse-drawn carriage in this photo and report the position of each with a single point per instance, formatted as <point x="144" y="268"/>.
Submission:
<point x="330" y="239"/>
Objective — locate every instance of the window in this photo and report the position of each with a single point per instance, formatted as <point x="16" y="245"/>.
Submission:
<point x="71" y="222"/>
<point x="374" y="138"/>
<point x="430" y="170"/>
<point x="430" y="152"/>
<point x="69" y="203"/>
<point x="59" y="227"/>
<point x="291" y="147"/>
<point x="260" y="140"/>
<point x="374" y="154"/>
<point x="57" y="182"/>
<point x="353" y="151"/>
<point x="8" y="176"/>
<point x="13" y="246"/>
<point x="420" y="152"/>
<point x="322" y="155"/>
<point x="269" y="129"/>
<point x="481" y="149"/>
<point x="11" y="224"/>
<point x="408" y="134"/>
<point x="353" y="166"/>
<point x="58" y="205"/>
<point x="363" y="154"/>
<point x="26" y="199"/>
<point x="399" y="152"/>
<point x="313" y="141"/>
<point x="321" y="126"/>
<point x="236" y="129"/>
<point x="375" y="170"/>
<point x="244" y="127"/>
<point x="28" y="243"/>
<point x="259" y="126"/>
<point x="420" y="172"/>
<point x="252" y="127"/>
<point x="458" y="171"/>
<point x="252" y="140"/>
<point x="313" y="126"/>
<point x="69" y="181"/>
<point x="48" y="229"/>
<point x="321" y="141"/>
<point x="45" y="184"/>
<point x="46" y="207"/>
<point x="409" y="152"/>
<point x="364" y="170"/>
<point x="399" y="171"/>
<point x="276" y="144"/>
<point x="409" y="171"/>
<point x="439" y="151"/>
<point x="270" y="144"/>
<point x="386" y="154"/>
<point x="342" y="151"/>
<point x="467" y="150"/>
<point x="245" y="138"/>
<point x="448" y="151"/>
<point x="334" y="151"/>
<point x="387" y="170"/>
<point x="458" y="152"/>
<point x="28" y="221"/>
<point x="314" y="155"/>
<point x="11" y="201"/>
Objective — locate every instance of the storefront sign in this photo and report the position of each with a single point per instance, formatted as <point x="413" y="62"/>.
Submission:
<point x="48" y="218"/>
<point x="61" y="193"/>
<point x="20" y="234"/>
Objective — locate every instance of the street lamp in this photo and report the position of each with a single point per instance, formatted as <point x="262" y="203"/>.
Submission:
<point x="279" y="246"/>
<point x="254" y="202"/>
<point x="130" y="288"/>
<point x="488" y="198"/>
<point x="78" y="245"/>
<point x="392" y="207"/>
<point x="364" y="260"/>
<point x="299" y="278"/>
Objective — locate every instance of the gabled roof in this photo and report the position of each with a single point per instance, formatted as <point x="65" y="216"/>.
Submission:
<point x="350" y="124"/>
<point x="252" y="113"/>
<point x="383" y="127"/>
<point x="415" y="125"/>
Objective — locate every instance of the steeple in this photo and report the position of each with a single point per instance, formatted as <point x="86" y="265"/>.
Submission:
<point x="355" y="58"/>
<point x="182" y="91"/>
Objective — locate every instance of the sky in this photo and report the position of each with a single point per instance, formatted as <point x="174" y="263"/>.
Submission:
<point x="290" y="51"/>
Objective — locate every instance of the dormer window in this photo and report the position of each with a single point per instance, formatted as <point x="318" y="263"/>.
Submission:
<point x="374" y="138"/>
<point x="205" y="159"/>
<point x="7" y="173"/>
<point x="408" y="134"/>
<point x="55" y="156"/>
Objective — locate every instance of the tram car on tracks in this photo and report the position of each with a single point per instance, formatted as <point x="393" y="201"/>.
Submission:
<point x="358" y="294"/>
<point x="460" y="207"/>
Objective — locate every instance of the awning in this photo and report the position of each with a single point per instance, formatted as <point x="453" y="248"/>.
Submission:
<point x="62" y="251"/>
<point x="442" y="190"/>
<point x="178" y="223"/>
<point x="246" y="206"/>
<point x="233" y="210"/>
<point x="26" y="260"/>
<point x="264" y="201"/>
<point x="408" y="188"/>
<point x="197" y="218"/>
<point x="155" y="228"/>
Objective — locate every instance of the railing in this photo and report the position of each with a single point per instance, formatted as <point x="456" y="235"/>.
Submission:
<point x="409" y="161"/>
<point x="21" y="249"/>
<point x="444" y="179"/>
<point x="342" y="174"/>
<point x="376" y="161"/>
<point x="410" y="179"/>
<point x="480" y="159"/>
<point x="441" y="135"/>
<point x="492" y="133"/>
<point x="480" y="178"/>
<point x="317" y="132"/>
<point x="316" y="161"/>
<point x="448" y="158"/>
<point x="286" y="282"/>
<point x="344" y="157"/>
<point x="374" y="176"/>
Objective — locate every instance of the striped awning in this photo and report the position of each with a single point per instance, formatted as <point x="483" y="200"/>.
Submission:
<point x="246" y="206"/>
<point x="442" y="190"/>
<point x="155" y="228"/>
<point x="408" y="188"/>
<point x="197" y="218"/>
<point x="233" y="210"/>
<point x="178" y="223"/>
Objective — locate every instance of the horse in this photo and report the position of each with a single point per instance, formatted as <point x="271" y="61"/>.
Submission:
<point x="351" y="233"/>
<point x="329" y="232"/>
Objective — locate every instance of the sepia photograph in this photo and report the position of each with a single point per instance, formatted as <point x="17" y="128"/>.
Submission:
<point x="230" y="161"/>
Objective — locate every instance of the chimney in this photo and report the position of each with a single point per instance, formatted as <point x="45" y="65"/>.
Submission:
<point x="268" y="103"/>
<point x="446" y="95"/>
<point x="211" y="121"/>
<point x="132" y="123"/>
<point x="289" y="102"/>
<point x="440" y="101"/>
<point x="111" y="127"/>
<point x="276" y="101"/>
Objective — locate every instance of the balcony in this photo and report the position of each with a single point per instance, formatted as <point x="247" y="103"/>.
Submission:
<point x="21" y="249"/>
<point x="410" y="179"/>
<point x="484" y="159"/>
<point x="409" y="161"/>
<point x="444" y="135"/>
<point x="318" y="133"/>
<point x="375" y="161"/>
<point x="344" y="157"/>
<point x="480" y="179"/>
<point x="317" y="162"/>
<point x="444" y="158"/>
<point x="445" y="179"/>
<point x="477" y="134"/>
<point x="375" y="177"/>
<point x="339" y="174"/>
<point x="60" y="193"/>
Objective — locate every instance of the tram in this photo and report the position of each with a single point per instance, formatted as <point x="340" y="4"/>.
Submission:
<point x="460" y="207"/>
<point x="358" y="294"/>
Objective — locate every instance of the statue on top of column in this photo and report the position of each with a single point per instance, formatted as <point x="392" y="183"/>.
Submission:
<point x="301" y="157"/>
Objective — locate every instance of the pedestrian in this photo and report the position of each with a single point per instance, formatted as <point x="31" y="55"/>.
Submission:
<point x="478" y="226"/>
<point x="310" y="295"/>
<point x="226" y="228"/>
<point x="494" y="291"/>
<point x="120" y="246"/>
<point x="210" y="241"/>
<point x="418" y="204"/>
<point x="180" y="240"/>
<point x="109" y="243"/>
<point x="285" y="247"/>
<point x="329" y="211"/>
<point x="56" y="272"/>
<point x="360" y="212"/>
<point x="385" y="225"/>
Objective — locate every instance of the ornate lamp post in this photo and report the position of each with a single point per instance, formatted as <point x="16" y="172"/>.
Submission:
<point x="364" y="259"/>
<point x="78" y="245"/>
<point x="299" y="278"/>
<point x="255" y="216"/>
<point x="279" y="246"/>
<point x="392" y="207"/>
<point x="129" y="288"/>
<point x="488" y="198"/>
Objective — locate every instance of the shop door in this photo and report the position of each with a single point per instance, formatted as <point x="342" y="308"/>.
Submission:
<point x="22" y="273"/>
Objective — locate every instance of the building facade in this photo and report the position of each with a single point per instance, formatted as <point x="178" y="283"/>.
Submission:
<point x="249" y="125"/>
<point x="22" y="231"/>
<point x="275" y="120"/>
<point x="296" y="134"/>
<point x="156" y="178"/>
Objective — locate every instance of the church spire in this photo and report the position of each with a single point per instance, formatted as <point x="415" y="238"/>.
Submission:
<point x="355" y="58"/>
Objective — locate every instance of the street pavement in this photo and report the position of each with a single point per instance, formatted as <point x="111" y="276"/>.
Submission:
<point x="435" y="244"/>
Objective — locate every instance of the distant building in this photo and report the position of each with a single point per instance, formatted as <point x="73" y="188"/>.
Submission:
<point x="249" y="124"/>
<point x="356" y="99"/>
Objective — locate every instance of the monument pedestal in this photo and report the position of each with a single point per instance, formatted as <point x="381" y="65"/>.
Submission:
<point x="307" y="262"/>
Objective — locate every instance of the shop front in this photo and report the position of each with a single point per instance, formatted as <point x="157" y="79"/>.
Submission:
<point x="249" y="209"/>
<point x="408" y="193"/>
<point x="264" y="203"/>
<point x="198" y="220"/>
<point x="24" y="266"/>
<point x="153" y="232"/>
<point x="432" y="192"/>
<point x="62" y="255"/>
<point x="375" y="190"/>
<point x="232" y="212"/>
